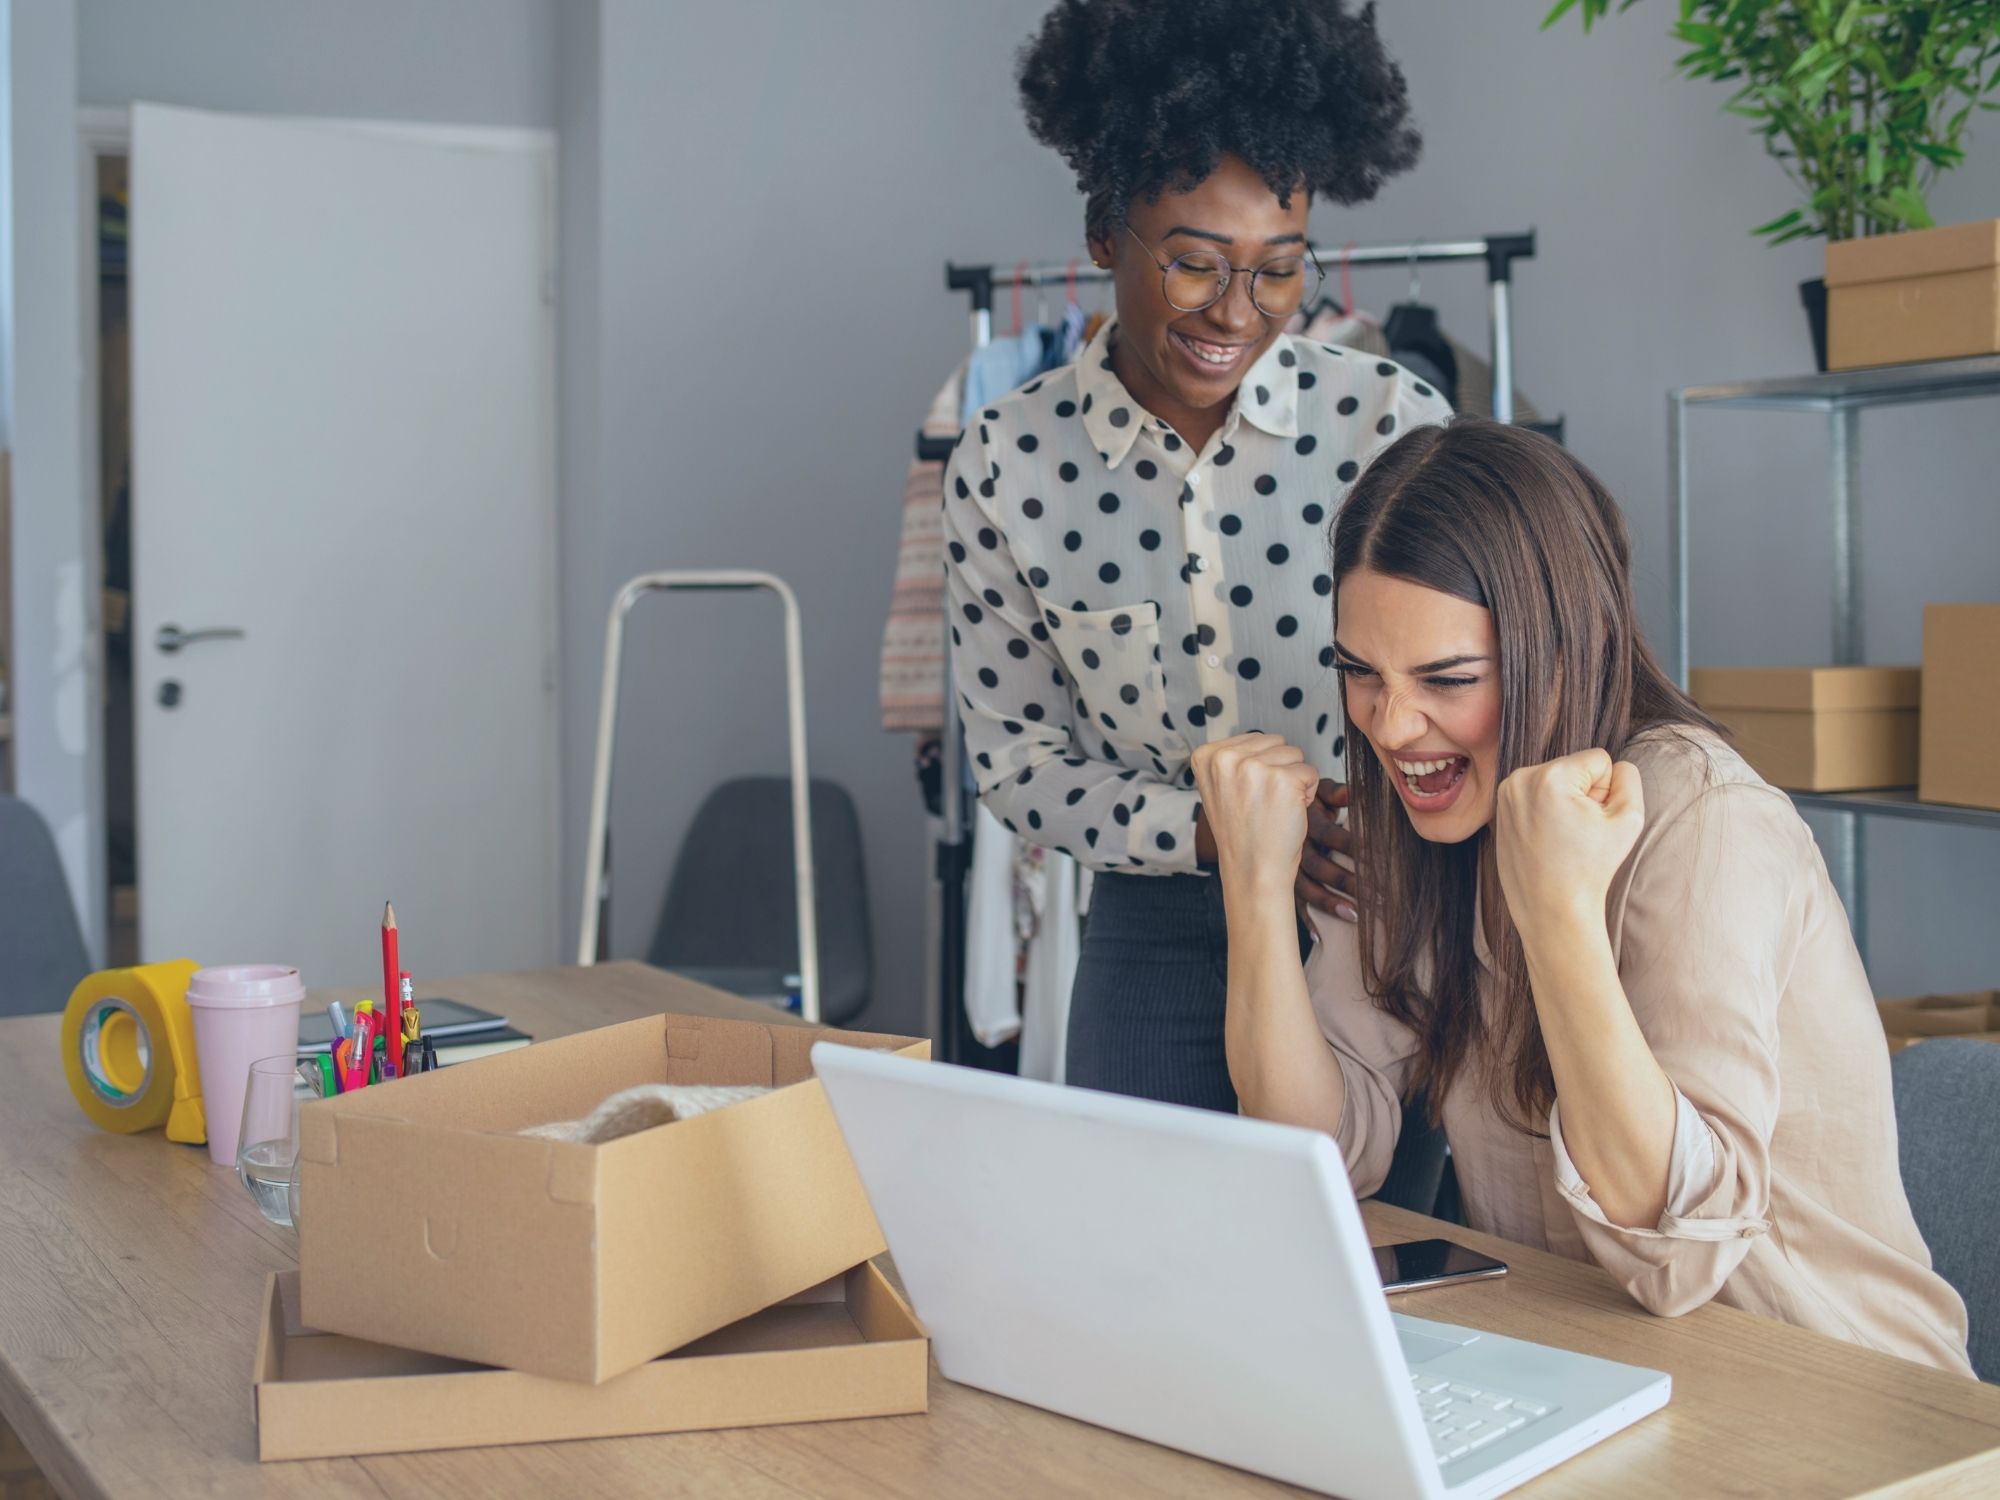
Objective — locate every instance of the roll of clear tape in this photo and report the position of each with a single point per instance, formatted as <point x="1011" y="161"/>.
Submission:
<point x="128" y="1051"/>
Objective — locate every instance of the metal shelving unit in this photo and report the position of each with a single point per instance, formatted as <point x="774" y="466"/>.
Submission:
<point x="1841" y="396"/>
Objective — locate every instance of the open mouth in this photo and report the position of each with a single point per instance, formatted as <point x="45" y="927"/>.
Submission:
<point x="1206" y="356"/>
<point x="1432" y="785"/>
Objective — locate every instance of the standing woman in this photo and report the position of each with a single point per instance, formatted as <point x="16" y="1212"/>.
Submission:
<point x="1137" y="542"/>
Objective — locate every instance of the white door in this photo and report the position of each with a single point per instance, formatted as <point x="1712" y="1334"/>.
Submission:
<point x="343" y="446"/>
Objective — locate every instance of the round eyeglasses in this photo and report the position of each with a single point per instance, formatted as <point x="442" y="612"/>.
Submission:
<point x="1278" y="288"/>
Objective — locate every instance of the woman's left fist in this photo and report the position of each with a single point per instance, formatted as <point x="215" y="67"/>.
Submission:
<point x="1561" y="830"/>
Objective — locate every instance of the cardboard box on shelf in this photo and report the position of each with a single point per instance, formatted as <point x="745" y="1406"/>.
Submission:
<point x="1907" y="1022"/>
<point x="849" y="1348"/>
<point x="1961" y="705"/>
<point x="1928" y="294"/>
<point x="1818" y="729"/>
<point x="428" y="1222"/>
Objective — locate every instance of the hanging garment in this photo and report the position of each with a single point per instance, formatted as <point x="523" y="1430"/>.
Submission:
<point x="1419" y="345"/>
<point x="1005" y="364"/>
<point x="1473" y="374"/>
<point x="1021" y="944"/>
<point x="911" y="677"/>
<point x="1475" y="377"/>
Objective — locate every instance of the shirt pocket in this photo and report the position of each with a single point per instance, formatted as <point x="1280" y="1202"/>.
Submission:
<point x="1113" y="657"/>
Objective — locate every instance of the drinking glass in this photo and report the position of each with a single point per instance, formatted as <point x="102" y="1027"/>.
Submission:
<point x="267" y="1147"/>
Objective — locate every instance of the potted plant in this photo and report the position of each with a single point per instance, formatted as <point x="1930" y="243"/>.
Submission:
<point x="1862" y="104"/>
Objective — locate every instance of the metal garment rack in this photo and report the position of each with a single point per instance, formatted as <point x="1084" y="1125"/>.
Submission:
<point x="1841" y="396"/>
<point x="1497" y="252"/>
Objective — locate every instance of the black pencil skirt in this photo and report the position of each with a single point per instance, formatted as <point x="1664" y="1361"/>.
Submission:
<point x="1146" y="1012"/>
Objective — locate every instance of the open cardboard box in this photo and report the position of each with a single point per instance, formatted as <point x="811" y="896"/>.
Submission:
<point x="849" y="1348"/>
<point x="427" y="1222"/>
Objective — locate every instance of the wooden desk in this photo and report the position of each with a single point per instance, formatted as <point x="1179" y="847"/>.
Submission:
<point x="130" y="1273"/>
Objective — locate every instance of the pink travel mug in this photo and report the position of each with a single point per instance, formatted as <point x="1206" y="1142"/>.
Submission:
<point x="241" y="1012"/>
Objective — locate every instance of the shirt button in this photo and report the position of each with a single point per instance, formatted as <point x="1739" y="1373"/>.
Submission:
<point x="1215" y="661"/>
<point x="1194" y="478"/>
<point x="1201" y="565"/>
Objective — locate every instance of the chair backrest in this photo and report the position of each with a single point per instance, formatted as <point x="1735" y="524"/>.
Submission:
<point x="41" y="946"/>
<point x="731" y="905"/>
<point x="1948" y="1130"/>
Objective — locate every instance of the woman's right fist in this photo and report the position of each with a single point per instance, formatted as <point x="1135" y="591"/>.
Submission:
<point x="1255" y="790"/>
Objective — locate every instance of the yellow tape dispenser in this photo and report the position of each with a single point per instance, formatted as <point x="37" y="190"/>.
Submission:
<point x="128" y="1048"/>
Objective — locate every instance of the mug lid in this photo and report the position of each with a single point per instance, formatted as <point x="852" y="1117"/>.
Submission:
<point x="245" y="985"/>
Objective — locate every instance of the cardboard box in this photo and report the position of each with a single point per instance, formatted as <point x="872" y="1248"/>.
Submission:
<point x="850" y="1348"/>
<point x="1907" y="1022"/>
<point x="1961" y="705"/>
<point x="1928" y="294"/>
<point x="427" y="1222"/>
<point x="1818" y="729"/>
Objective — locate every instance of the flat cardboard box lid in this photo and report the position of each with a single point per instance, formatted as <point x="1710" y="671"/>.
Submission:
<point x="850" y="1348"/>
<point x="1806" y="689"/>
<point x="1920" y="252"/>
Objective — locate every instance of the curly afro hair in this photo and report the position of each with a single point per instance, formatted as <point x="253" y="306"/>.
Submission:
<point x="1142" y="97"/>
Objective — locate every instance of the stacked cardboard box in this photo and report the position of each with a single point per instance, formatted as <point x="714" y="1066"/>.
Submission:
<point x="1818" y="729"/>
<point x="1961" y="705"/>
<point x="462" y="1284"/>
<point x="1928" y="294"/>
<point x="1907" y="1022"/>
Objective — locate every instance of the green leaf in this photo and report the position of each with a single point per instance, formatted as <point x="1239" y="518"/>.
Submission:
<point x="1563" y="8"/>
<point x="1783" y="221"/>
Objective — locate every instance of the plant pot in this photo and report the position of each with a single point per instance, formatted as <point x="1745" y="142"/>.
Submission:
<point x="1813" y="294"/>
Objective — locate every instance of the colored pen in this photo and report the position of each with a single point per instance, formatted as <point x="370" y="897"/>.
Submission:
<point x="323" y="1070"/>
<point x="362" y="1058"/>
<point x="392" y="992"/>
<point x="394" y="1030"/>
<point x="341" y="1053"/>
<point x="339" y="1018"/>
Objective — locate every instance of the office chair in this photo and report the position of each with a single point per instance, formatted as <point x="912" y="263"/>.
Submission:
<point x="1948" y="1132"/>
<point x="731" y="913"/>
<point x="41" y="946"/>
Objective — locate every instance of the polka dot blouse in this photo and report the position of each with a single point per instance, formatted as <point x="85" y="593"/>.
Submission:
<point x="1117" y="599"/>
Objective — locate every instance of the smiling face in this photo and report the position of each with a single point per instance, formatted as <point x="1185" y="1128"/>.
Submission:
<point x="1177" y="364"/>
<point x="1422" y="680"/>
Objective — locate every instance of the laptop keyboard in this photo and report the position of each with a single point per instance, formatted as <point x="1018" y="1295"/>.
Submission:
<point x="1462" y="1419"/>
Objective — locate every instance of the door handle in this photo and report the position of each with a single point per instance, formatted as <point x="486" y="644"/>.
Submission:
<point x="171" y="637"/>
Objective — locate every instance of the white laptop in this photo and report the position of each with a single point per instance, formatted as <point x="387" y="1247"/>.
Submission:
<point x="1198" y="1280"/>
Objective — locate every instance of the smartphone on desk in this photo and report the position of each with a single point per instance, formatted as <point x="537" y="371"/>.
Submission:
<point x="1423" y="1263"/>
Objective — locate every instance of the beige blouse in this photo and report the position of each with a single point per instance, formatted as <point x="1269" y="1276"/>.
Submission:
<point x="1736" y="957"/>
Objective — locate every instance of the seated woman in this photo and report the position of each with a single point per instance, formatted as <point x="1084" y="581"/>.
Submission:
<point x="1608" y="949"/>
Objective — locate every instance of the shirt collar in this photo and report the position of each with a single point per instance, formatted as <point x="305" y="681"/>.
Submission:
<point x="1268" y="398"/>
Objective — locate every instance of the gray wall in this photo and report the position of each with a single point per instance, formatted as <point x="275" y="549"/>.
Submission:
<point x="1642" y="191"/>
<point x="462" y="62"/>
<point x="56" y="757"/>
<point x="781" y="184"/>
<point x="853" y="149"/>
<point x="755" y="209"/>
<point x="455" y="61"/>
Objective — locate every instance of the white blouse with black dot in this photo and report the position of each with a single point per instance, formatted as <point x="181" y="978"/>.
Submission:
<point x="1117" y="599"/>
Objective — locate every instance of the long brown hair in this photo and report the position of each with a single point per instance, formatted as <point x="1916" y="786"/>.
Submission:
<point x="1509" y="521"/>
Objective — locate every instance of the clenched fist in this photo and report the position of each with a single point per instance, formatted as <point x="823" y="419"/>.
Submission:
<point x="1561" y="830"/>
<point x="1255" y="789"/>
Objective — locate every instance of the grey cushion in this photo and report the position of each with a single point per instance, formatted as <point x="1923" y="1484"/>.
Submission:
<point x="1948" y="1126"/>
<point x="41" y="947"/>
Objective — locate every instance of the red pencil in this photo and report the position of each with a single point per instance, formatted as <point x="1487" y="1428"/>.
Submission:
<point x="392" y="987"/>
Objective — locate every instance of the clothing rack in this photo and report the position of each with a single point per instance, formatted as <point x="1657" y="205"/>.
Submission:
<point x="1497" y="252"/>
